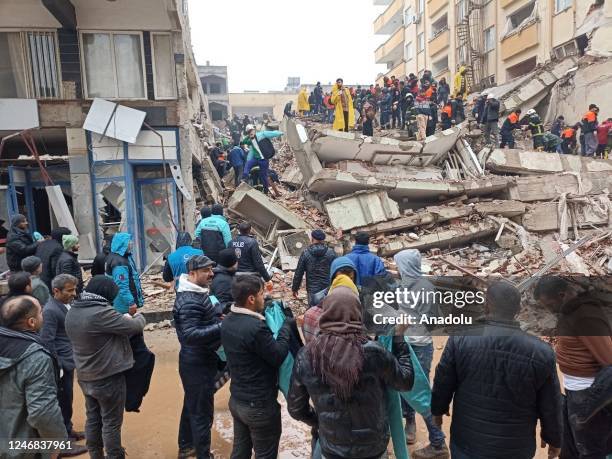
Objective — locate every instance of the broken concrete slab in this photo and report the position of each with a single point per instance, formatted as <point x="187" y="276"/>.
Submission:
<point x="293" y="177"/>
<point x="334" y="146"/>
<point x="544" y="216"/>
<point x="534" y="162"/>
<point x="440" y="214"/>
<point x="361" y="208"/>
<point x="444" y="238"/>
<point x="338" y="183"/>
<point x="382" y="170"/>
<point x="261" y="211"/>
<point x="547" y="187"/>
<point x="297" y="137"/>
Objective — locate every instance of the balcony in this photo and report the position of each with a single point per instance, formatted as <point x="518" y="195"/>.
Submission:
<point x="399" y="70"/>
<point x="520" y="41"/>
<point x="439" y="43"/>
<point x="392" y="49"/>
<point x="390" y="20"/>
<point x="433" y="6"/>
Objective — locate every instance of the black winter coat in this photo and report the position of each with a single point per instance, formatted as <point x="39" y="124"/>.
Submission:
<point x="491" y="111"/>
<point x="221" y="286"/>
<point x="249" y="256"/>
<point x="358" y="427"/>
<point x="19" y="244"/>
<point x="501" y="384"/>
<point x="315" y="261"/>
<point x="198" y="326"/>
<point x="68" y="263"/>
<point x="253" y="356"/>
<point x="49" y="251"/>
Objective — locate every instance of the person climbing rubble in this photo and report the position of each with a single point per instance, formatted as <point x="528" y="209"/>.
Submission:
<point x="533" y="123"/>
<point x="511" y="123"/>
<point x="589" y="129"/>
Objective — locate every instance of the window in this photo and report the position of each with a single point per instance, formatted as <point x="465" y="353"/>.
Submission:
<point x="568" y="49"/>
<point x="420" y="42"/>
<point x="29" y="65"/>
<point x="561" y="5"/>
<point x="216" y="115"/>
<point x="461" y="10"/>
<point x="113" y="65"/>
<point x="439" y="26"/>
<point x="489" y="39"/>
<point x="409" y="51"/>
<point x="440" y="66"/>
<point x="163" y="65"/>
<point x="408" y="19"/>
<point x="421" y="6"/>
<point x="215" y="88"/>
<point x="517" y="18"/>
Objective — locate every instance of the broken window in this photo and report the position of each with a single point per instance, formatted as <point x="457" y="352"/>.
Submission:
<point x="163" y="58"/>
<point x="489" y="39"/>
<point x="114" y="65"/>
<point x="521" y="68"/>
<point x="157" y="220"/>
<point x="565" y="50"/>
<point x="440" y="66"/>
<point x="521" y="17"/>
<point x="110" y="203"/>
<point x="439" y="26"/>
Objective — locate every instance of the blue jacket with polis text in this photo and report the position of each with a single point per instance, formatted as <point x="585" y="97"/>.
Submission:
<point x="121" y="267"/>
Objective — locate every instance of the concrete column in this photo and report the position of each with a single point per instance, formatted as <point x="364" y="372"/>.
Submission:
<point x="82" y="199"/>
<point x="187" y="139"/>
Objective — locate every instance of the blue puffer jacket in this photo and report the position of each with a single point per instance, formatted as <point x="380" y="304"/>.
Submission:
<point x="121" y="267"/>
<point x="176" y="263"/>
<point x="215" y="223"/>
<point x="367" y="263"/>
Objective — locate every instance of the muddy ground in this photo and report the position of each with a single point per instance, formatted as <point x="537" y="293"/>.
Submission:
<point x="152" y="433"/>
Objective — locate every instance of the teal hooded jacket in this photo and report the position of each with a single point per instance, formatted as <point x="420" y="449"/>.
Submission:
<point x="121" y="267"/>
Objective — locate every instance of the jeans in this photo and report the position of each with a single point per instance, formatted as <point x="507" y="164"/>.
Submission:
<point x="491" y="130"/>
<point x="263" y="171"/>
<point x="590" y="143"/>
<point x="257" y="427"/>
<point x="104" y="405"/>
<point x="592" y="440"/>
<point x="395" y="119"/>
<point x="238" y="174"/>
<point x="198" y="407"/>
<point x="424" y="355"/>
<point x="64" y="397"/>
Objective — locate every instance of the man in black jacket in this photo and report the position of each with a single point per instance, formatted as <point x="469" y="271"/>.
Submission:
<point x="254" y="357"/>
<point x="198" y="326"/>
<point x="315" y="261"/>
<point x="490" y="120"/>
<point x="248" y="253"/>
<point x="501" y="383"/>
<point x="19" y="243"/>
<point x="68" y="261"/>
<point x="221" y="286"/>
<point x="54" y="337"/>
<point x="49" y="251"/>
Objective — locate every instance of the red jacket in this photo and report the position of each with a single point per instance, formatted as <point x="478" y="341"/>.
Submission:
<point x="602" y="132"/>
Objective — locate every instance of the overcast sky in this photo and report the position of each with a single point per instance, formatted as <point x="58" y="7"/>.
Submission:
<point x="264" y="42"/>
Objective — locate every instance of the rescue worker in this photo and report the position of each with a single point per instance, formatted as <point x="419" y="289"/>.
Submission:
<point x="303" y="105"/>
<point x="176" y="263"/>
<point x="569" y="140"/>
<point x="120" y="265"/>
<point x="446" y="116"/>
<point x="589" y="128"/>
<point x="458" y="109"/>
<point x="344" y="113"/>
<point x="249" y="255"/>
<point x="385" y="109"/>
<point x="511" y="123"/>
<point x="214" y="233"/>
<point x="603" y="138"/>
<point x="534" y="124"/>
<point x="460" y="83"/>
<point x="490" y="120"/>
<point x="255" y="156"/>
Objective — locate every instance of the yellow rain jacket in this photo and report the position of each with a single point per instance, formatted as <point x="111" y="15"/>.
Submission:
<point x="338" y="115"/>
<point x="303" y="105"/>
<point x="459" y="81"/>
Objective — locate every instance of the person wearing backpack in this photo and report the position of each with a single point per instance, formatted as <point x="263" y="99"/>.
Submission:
<point x="260" y="152"/>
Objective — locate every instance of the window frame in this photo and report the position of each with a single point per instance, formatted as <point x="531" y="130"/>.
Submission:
<point x="422" y="47"/>
<point x="27" y="63"/>
<point x="494" y="40"/>
<point x="168" y="34"/>
<point x="566" y="7"/>
<point x="112" y="41"/>
<point x="407" y="47"/>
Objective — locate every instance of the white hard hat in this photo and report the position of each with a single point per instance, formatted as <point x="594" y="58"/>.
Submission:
<point x="531" y="111"/>
<point x="490" y="96"/>
<point x="249" y="127"/>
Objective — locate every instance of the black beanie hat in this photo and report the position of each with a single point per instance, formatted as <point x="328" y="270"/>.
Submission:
<point x="217" y="209"/>
<point x="227" y="258"/>
<point x="205" y="212"/>
<point x="104" y="286"/>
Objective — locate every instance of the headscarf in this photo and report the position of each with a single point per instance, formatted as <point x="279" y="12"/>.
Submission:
<point x="336" y="354"/>
<point x="342" y="280"/>
<point x="103" y="286"/>
<point x="408" y="263"/>
<point x="69" y="241"/>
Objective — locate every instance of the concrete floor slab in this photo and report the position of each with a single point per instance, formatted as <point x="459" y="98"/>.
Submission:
<point x="526" y="162"/>
<point x="361" y="208"/>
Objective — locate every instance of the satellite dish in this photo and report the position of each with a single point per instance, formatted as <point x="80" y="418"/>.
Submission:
<point x="113" y="120"/>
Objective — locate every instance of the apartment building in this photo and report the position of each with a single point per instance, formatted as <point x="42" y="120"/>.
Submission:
<point x="56" y="56"/>
<point x="214" y="84"/>
<point x="497" y="40"/>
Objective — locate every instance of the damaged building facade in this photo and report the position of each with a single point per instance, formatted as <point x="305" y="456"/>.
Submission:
<point x="496" y="40"/>
<point x="56" y="57"/>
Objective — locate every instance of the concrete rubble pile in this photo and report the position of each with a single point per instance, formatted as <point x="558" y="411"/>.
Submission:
<point x="495" y="212"/>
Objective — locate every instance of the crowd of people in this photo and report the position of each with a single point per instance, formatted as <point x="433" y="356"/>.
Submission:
<point x="338" y="377"/>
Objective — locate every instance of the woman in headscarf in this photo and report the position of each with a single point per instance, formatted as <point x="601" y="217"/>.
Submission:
<point x="346" y="376"/>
